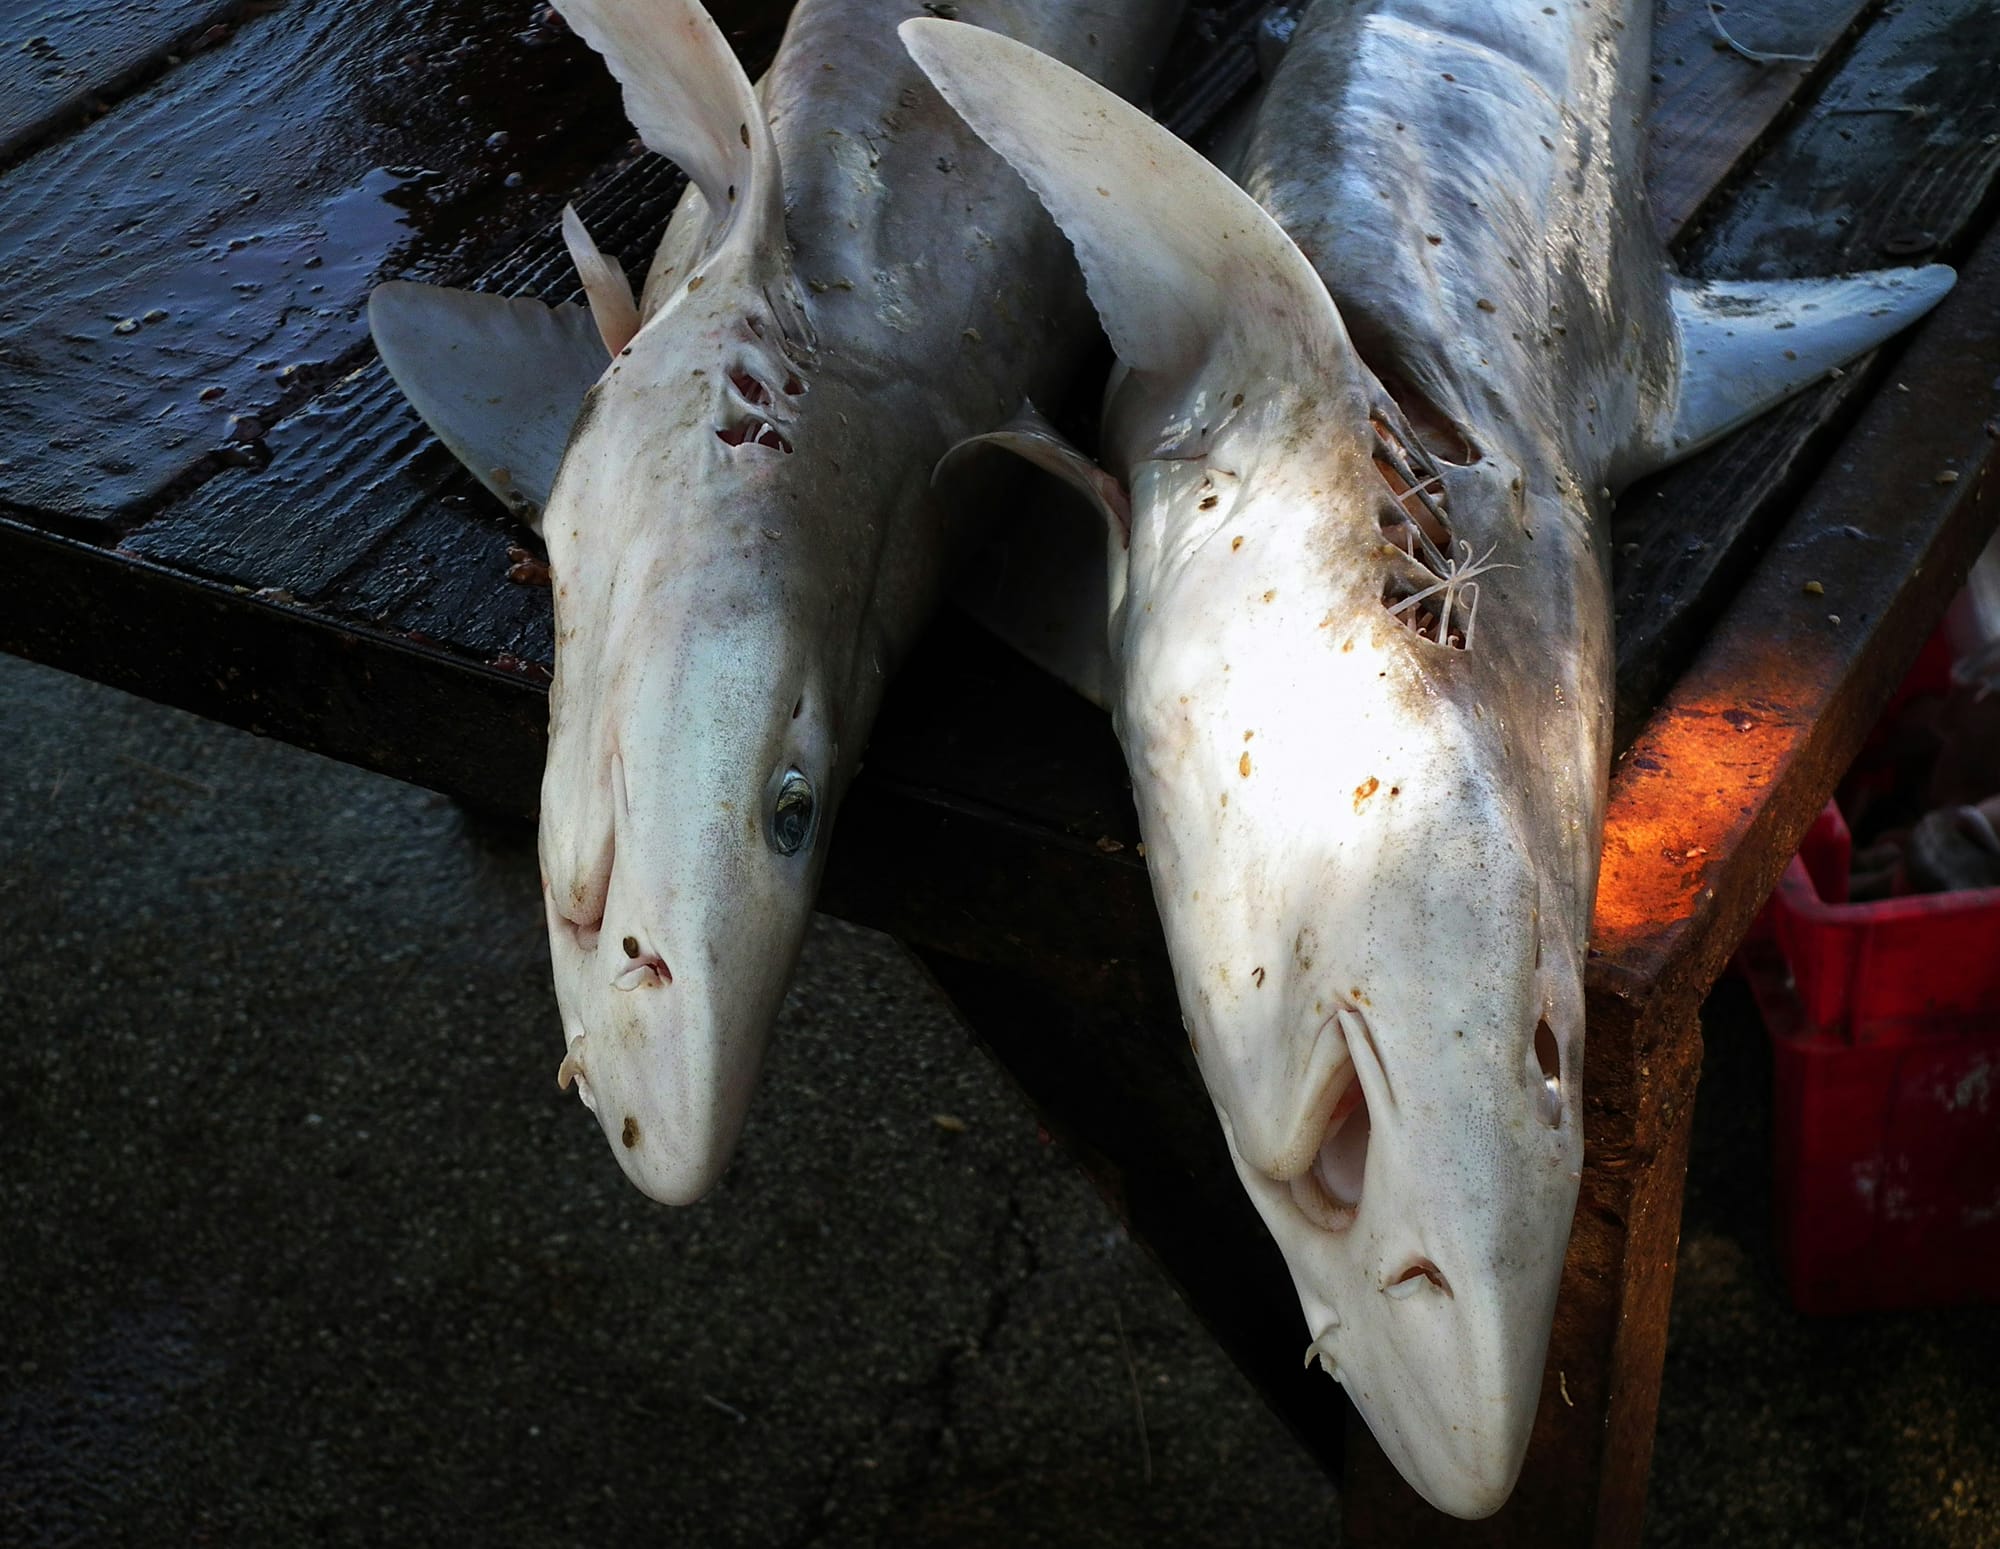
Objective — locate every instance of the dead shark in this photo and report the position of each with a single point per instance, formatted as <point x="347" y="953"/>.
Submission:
<point x="732" y="477"/>
<point x="1369" y="413"/>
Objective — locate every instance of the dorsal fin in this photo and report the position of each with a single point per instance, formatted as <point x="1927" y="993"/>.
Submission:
<point x="687" y="95"/>
<point x="1176" y="257"/>
<point x="604" y="283"/>
<point x="498" y="380"/>
<point x="1749" y="344"/>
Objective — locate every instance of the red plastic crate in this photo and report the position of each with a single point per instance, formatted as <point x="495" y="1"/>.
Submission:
<point x="1884" y="1021"/>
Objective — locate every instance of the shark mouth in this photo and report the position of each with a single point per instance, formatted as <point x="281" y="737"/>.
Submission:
<point x="1328" y="1190"/>
<point x="1328" y="1193"/>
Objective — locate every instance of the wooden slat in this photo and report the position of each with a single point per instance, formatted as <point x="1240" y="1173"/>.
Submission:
<point x="1894" y="163"/>
<point x="232" y="217"/>
<point x="67" y="58"/>
<point x="1710" y="101"/>
<point x="274" y="669"/>
<point x="245" y="526"/>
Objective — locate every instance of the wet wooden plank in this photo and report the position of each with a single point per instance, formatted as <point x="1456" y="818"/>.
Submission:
<point x="358" y="512"/>
<point x="384" y="702"/>
<point x="181" y="272"/>
<point x="245" y="526"/>
<point x="1710" y="101"/>
<point x="67" y="57"/>
<point x="1895" y="162"/>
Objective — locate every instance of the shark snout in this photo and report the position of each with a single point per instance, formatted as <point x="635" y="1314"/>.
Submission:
<point x="643" y="1055"/>
<point x="1449" y="1390"/>
<point x="650" y="1046"/>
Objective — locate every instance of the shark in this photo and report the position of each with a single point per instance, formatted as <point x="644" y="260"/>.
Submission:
<point x="731" y="470"/>
<point x="1373" y="400"/>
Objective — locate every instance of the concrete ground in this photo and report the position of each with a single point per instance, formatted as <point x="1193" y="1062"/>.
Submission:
<point x="300" y="1244"/>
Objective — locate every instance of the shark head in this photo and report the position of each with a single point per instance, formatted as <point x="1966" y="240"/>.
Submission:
<point x="1377" y="955"/>
<point x="685" y="807"/>
<point x="705" y="640"/>
<point x="693" y="758"/>
<point x="1377" y="933"/>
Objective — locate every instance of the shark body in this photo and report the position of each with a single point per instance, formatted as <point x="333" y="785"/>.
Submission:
<point x="731" y="471"/>
<point x="1369" y="414"/>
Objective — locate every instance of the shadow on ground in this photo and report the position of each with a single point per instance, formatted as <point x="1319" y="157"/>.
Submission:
<point x="299" y="1243"/>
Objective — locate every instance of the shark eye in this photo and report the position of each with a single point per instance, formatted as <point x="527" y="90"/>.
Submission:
<point x="1548" y="1055"/>
<point x="793" y="815"/>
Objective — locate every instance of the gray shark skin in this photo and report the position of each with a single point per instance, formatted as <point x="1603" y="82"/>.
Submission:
<point x="1363" y="436"/>
<point x="740" y="524"/>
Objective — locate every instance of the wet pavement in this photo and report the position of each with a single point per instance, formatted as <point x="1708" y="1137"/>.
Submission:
<point x="299" y="1243"/>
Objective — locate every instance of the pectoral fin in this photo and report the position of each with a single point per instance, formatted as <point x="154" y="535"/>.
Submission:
<point x="1184" y="267"/>
<point x="1030" y="437"/>
<point x="1040" y="582"/>
<point x="690" y="101"/>
<point x="1747" y="345"/>
<point x="498" y="380"/>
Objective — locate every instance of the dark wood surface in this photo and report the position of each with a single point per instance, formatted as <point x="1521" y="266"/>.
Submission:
<point x="1891" y="161"/>
<point x="70" y="61"/>
<point x="1710" y="102"/>
<point x="295" y="555"/>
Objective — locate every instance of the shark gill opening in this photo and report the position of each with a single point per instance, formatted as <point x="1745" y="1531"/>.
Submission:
<point x="1441" y="435"/>
<point x="1436" y="596"/>
<point x="752" y="393"/>
<point x="753" y="432"/>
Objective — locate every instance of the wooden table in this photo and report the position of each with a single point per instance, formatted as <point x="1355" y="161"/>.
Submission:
<point x="211" y="495"/>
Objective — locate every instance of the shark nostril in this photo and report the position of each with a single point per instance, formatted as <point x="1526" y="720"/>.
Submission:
<point x="642" y="969"/>
<point x="1415" y="1276"/>
<point x="1548" y="1055"/>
